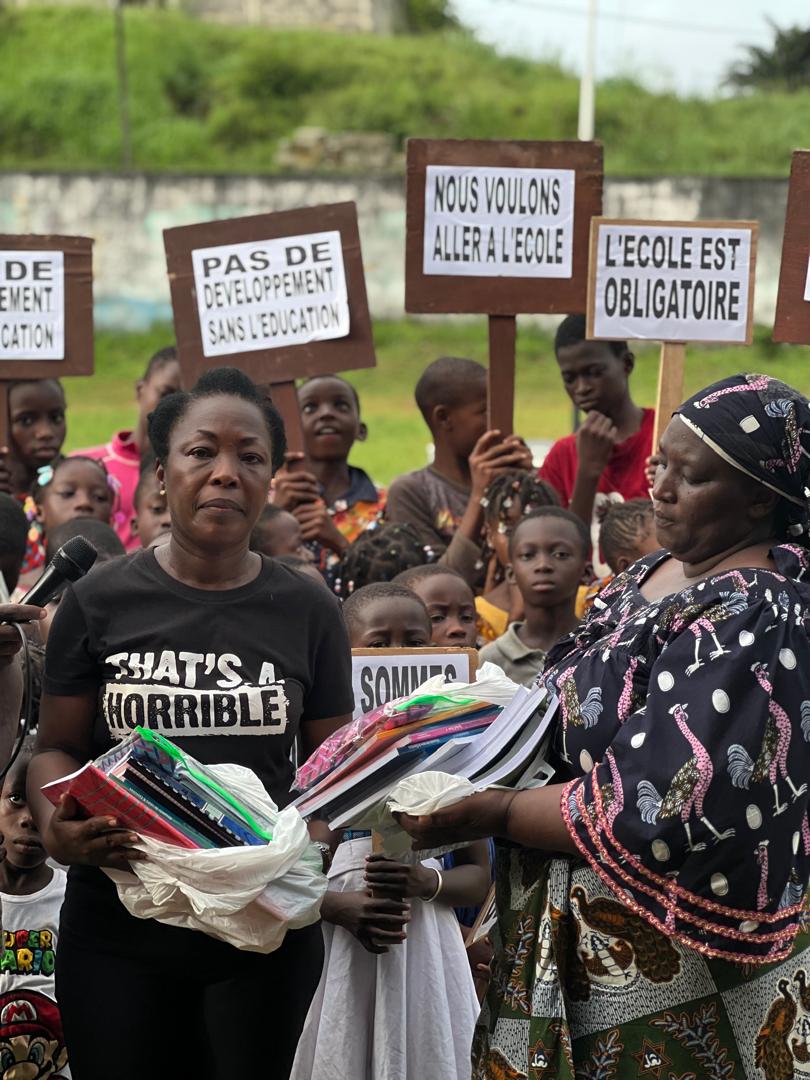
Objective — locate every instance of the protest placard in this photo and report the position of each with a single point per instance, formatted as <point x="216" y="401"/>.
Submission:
<point x="281" y="296"/>
<point x="499" y="228"/>
<point x="673" y="282"/>
<point x="381" y="675"/>
<point x="46" y="311"/>
<point x="792" y="322"/>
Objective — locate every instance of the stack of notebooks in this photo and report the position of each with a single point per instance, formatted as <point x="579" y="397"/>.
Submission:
<point x="476" y="740"/>
<point x="151" y="787"/>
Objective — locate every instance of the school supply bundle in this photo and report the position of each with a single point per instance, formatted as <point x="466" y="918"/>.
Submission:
<point x="221" y="857"/>
<point x="439" y="741"/>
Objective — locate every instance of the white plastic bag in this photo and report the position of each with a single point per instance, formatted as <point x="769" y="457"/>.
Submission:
<point x="247" y="896"/>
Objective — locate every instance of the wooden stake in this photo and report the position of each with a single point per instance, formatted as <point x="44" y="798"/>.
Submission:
<point x="501" y="373"/>
<point x="285" y="400"/>
<point x="5" y="433"/>
<point x="670" y="386"/>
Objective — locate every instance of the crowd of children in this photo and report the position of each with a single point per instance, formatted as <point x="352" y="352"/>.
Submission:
<point x="477" y="549"/>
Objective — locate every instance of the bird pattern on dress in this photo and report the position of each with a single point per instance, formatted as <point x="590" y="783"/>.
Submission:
<point x="772" y="1051"/>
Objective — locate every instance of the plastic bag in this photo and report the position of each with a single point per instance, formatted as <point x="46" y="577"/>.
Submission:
<point x="247" y="896"/>
<point x="491" y="686"/>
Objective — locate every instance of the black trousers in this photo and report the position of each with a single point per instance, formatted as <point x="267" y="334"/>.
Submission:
<point x="144" y="1001"/>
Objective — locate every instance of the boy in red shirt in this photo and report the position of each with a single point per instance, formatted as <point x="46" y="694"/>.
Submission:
<point x="607" y="455"/>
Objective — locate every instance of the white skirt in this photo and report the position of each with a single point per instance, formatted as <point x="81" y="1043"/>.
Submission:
<point x="407" y="1014"/>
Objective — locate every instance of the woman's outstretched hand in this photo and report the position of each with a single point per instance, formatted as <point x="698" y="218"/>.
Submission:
<point x="474" y="817"/>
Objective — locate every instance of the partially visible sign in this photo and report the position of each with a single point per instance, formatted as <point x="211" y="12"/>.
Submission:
<point x="672" y="281"/>
<point x="32" y="305"/>
<point x="381" y="675"/>
<point x="485" y="222"/>
<point x="265" y="294"/>
<point x="792" y="322"/>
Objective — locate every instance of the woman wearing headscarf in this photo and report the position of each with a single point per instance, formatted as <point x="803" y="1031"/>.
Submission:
<point x="650" y="901"/>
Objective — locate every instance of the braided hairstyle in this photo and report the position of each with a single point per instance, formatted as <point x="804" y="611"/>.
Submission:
<point x="380" y="554"/>
<point x="514" y="488"/>
<point x="623" y="524"/>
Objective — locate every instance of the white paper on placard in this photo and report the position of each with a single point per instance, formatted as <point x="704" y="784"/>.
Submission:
<point x="377" y="680"/>
<point x="32" y="305"/>
<point x="269" y="293"/>
<point x="672" y="283"/>
<point x="807" y="282"/>
<point x="492" y="222"/>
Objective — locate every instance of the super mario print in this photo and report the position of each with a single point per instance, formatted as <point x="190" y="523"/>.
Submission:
<point x="32" y="1046"/>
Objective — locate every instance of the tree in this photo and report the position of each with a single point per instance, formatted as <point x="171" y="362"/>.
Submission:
<point x="427" y="16"/>
<point x="785" y="65"/>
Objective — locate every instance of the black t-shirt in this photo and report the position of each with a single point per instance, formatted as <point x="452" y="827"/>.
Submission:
<point x="228" y="676"/>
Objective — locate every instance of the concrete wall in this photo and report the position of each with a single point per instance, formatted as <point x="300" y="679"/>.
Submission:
<point x="126" y="215"/>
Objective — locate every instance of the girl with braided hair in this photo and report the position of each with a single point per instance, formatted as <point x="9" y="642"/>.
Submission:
<point x="379" y="554"/>
<point x="507" y="499"/>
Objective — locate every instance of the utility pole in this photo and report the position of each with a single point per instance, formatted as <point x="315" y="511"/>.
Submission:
<point x="123" y="84"/>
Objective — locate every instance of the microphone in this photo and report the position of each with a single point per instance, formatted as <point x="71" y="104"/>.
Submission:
<point x="71" y="562"/>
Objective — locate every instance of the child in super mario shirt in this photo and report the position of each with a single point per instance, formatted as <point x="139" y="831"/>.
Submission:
<point x="31" y="895"/>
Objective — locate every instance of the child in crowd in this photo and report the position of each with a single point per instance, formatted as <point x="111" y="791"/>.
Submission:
<point x="443" y="501"/>
<point x="73" y="487"/>
<point x="388" y="1008"/>
<point x="303" y="566"/>
<point x="151" y="521"/>
<point x="36" y="412"/>
<point x="278" y="532"/>
<point x="122" y="454"/>
<point x="549" y="559"/>
<point x="627" y="534"/>
<point x="507" y="499"/>
<point x="449" y="601"/>
<point x="13" y="537"/>
<point x="31" y="895"/>
<point x="333" y="501"/>
<point x="379" y="555"/>
<point x="608" y="453"/>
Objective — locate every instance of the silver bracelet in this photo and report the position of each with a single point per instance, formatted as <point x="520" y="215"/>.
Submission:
<point x="439" y="885"/>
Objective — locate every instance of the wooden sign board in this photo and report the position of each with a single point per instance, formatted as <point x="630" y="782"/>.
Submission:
<point x="381" y="675"/>
<point x="281" y="296"/>
<point x="46" y="311"/>
<point x="792" y="323"/>
<point x="673" y="282"/>
<point x="499" y="228"/>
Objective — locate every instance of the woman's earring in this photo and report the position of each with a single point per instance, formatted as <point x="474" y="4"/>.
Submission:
<point x="162" y="490"/>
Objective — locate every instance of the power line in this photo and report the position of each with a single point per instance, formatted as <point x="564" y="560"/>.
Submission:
<point x="646" y="20"/>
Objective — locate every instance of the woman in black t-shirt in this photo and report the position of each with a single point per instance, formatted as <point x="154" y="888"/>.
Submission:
<point x="230" y="655"/>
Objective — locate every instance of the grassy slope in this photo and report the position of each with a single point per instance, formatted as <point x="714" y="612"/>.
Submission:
<point x="211" y="98"/>
<point x="398" y="437"/>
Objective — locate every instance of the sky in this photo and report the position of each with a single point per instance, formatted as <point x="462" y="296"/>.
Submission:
<point x="682" y="45"/>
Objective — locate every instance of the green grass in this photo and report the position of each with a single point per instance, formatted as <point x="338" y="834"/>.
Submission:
<point x="213" y="98"/>
<point x="397" y="436"/>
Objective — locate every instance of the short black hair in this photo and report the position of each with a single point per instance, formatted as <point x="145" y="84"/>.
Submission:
<point x="25" y="382"/>
<point x="13" y="538"/>
<point x="356" y="604"/>
<point x="269" y="514"/>
<point x="573" y="331"/>
<point x="581" y="528"/>
<point x="346" y="383"/>
<point x="102" y="536"/>
<point x="164" y="356"/>
<point x="447" y="381"/>
<point x="21" y="761"/>
<point x="379" y="554"/>
<point x="526" y="487"/>
<point x="39" y="487"/>
<point x="221" y="380"/>
<point x="409" y="578"/>
<point x="622" y="525"/>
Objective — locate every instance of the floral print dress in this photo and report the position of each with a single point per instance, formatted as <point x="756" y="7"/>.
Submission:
<point x="676" y="945"/>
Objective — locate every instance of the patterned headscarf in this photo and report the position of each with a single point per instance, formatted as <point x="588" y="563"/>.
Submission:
<point x="761" y="426"/>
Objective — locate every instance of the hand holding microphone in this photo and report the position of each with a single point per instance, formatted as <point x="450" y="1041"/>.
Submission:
<point x="71" y="562"/>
